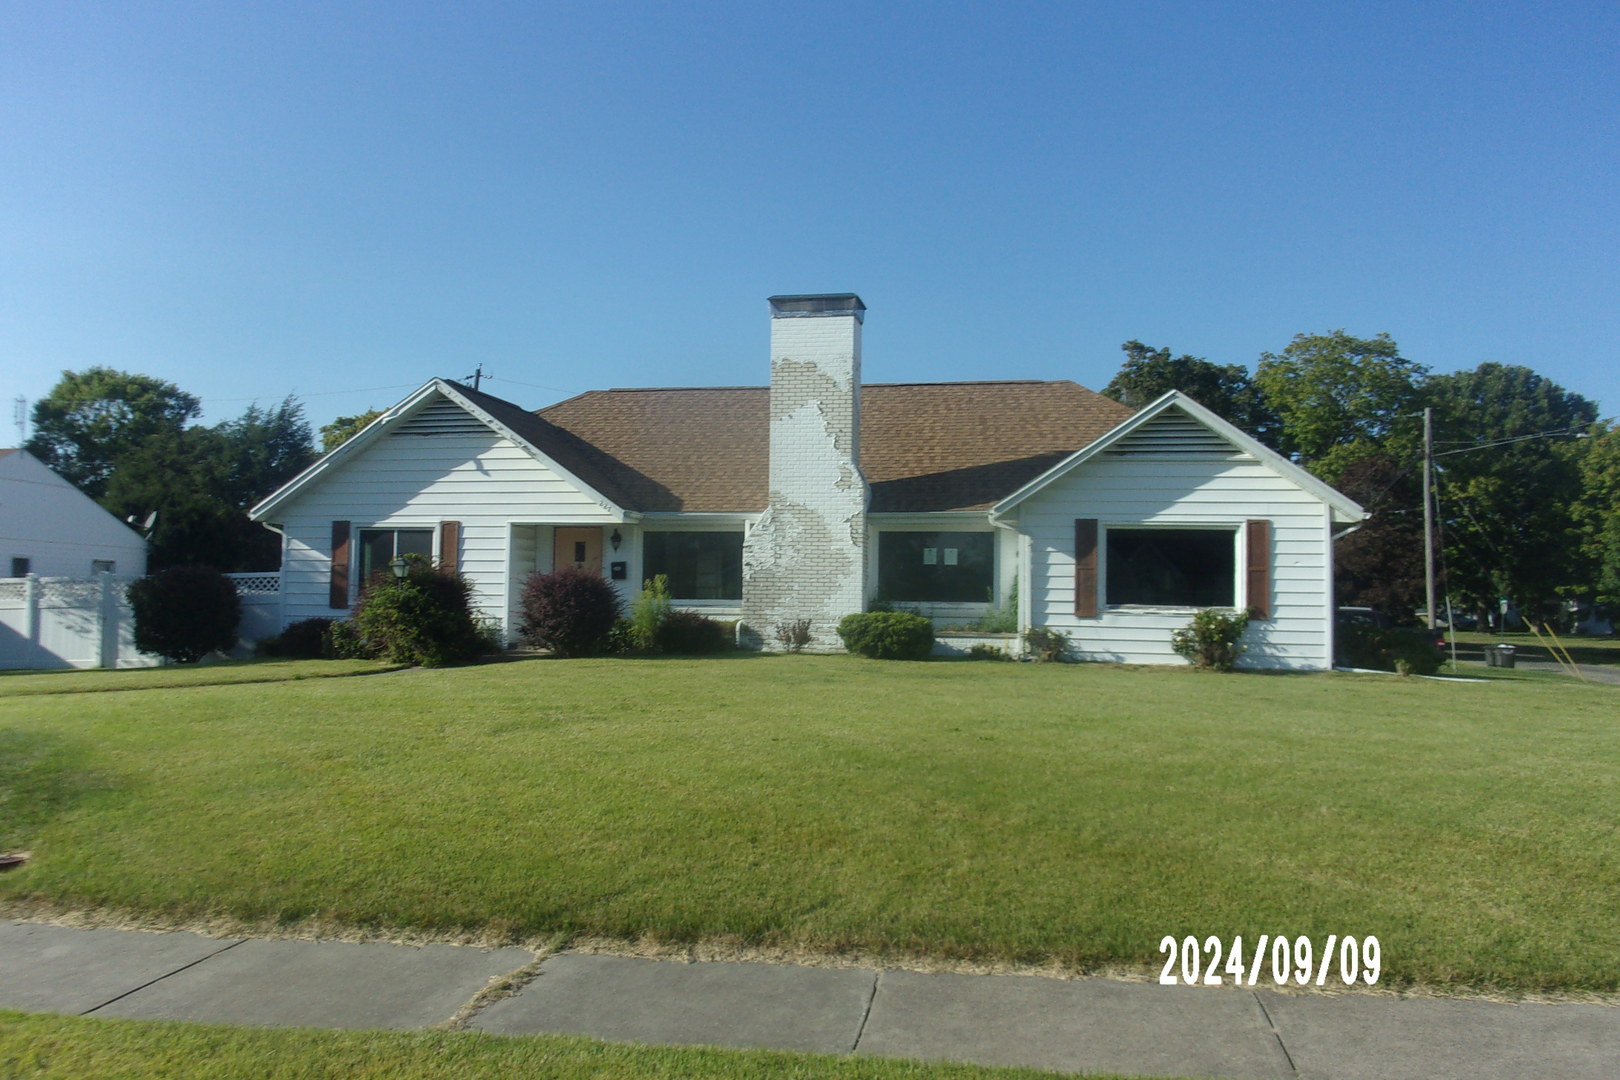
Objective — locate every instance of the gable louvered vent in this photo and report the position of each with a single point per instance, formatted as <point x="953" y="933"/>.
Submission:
<point x="1174" y="432"/>
<point x="442" y="418"/>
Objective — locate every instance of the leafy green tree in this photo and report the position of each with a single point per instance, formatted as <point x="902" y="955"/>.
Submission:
<point x="202" y="480"/>
<point x="1226" y="390"/>
<point x="91" y="419"/>
<point x="1380" y="565"/>
<point x="1508" y="507"/>
<point x="1597" y="512"/>
<point x="1339" y="398"/>
<point x="344" y="428"/>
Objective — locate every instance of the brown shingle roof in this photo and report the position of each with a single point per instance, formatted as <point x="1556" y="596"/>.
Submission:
<point x="924" y="446"/>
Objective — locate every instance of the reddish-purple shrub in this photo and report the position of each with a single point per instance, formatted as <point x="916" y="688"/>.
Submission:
<point x="568" y="611"/>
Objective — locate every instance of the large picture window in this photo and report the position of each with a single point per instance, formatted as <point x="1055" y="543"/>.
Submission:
<point x="379" y="546"/>
<point x="699" y="565"/>
<point x="1172" y="567"/>
<point x="943" y="567"/>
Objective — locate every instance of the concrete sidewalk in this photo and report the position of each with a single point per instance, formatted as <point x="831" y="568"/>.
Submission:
<point x="1068" y="1025"/>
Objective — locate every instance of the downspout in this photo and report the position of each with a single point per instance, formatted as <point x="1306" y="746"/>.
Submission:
<point x="281" y="574"/>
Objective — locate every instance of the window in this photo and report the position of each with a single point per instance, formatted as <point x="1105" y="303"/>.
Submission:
<point x="379" y="546"/>
<point x="1172" y="567"/>
<point x="699" y="565"/>
<point x="944" y="567"/>
<point x="19" y="566"/>
<point x="103" y="566"/>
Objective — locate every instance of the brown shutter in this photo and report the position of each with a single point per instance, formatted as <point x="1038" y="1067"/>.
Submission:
<point x="1259" y="568"/>
<point x="339" y="594"/>
<point x="449" y="546"/>
<point x="1085" y="567"/>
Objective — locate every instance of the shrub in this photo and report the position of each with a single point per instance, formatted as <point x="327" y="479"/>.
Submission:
<point x="1047" y="644"/>
<point x="307" y="639"/>
<point x="1210" y="641"/>
<point x="887" y="635"/>
<point x="649" y="610"/>
<point x="344" y="641"/>
<point x="184" y="613"/>
<point x="569" y="611"/>
<point x="621" y="639"/>
<point x="981" y="651"/>
<point x="793" y="635"/>
<point x="424" y="618"/>
<point x="1004" y="619"/>
<point x="1386" y="649"/>
<point x="689" y="632"/>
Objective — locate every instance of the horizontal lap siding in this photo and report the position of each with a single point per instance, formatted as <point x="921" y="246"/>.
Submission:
<point x="482" y="480"/>
<point x="1167" y="491"/>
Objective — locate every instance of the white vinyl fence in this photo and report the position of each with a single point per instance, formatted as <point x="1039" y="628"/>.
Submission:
<point x="53" y="622"/>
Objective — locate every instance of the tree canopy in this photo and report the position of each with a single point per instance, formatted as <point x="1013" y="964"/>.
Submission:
<point x="344" y="428"/>
<point x="1338" y="398"/>
<point x="93" y="418"/>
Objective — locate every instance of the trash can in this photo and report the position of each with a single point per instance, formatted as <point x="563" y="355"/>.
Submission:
<point x="1499" y="655"/>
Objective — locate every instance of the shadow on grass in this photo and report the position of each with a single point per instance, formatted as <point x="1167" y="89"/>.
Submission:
<point x="42" y="776"/>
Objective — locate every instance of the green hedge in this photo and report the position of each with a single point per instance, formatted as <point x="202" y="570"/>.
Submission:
<point x="887" y="635"/>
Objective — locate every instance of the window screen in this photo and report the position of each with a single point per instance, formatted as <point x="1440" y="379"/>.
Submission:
<point x="946" y="567"/>
<point x="1172" y="567"/>
<point x="699" y="565"/>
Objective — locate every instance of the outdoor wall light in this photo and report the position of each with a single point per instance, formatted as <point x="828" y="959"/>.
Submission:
<point x="399" y="566"/>
<point x="615" y="539"/>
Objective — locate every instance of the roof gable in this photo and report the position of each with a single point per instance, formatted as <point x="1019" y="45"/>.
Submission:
<point x="443" y="407"/>
<point x="1157" y="429"/>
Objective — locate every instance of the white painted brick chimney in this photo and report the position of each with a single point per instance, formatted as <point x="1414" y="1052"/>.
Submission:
<point x="806" y="557"/>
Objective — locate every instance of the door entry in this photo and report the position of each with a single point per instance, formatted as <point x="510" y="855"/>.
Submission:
<point x="578" y="547"/>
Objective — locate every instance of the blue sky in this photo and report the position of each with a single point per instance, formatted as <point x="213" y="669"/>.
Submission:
<point x="326" y="199"/>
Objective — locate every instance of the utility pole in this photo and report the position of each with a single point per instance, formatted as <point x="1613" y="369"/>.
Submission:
<point x="477" y="376"/>
<point x="19" y="416"/>
<point x="1428" y="512"/>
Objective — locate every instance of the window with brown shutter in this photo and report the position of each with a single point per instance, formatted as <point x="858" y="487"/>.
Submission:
<point x="1259" y="568"/>
<point x="338" y="593"/>
<point x="1085" y="568"/>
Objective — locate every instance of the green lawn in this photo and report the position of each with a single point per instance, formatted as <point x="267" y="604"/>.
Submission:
<point x="76" y="1048"/>
<point x="1068" y="814"/>
<point x="217" y="673"/>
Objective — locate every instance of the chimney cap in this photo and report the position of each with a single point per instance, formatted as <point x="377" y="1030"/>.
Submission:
<point x="809" y="305"/>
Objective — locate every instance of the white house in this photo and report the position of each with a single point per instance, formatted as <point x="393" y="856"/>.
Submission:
<point x="816" y="495"/>
<point x="50" y="528"/>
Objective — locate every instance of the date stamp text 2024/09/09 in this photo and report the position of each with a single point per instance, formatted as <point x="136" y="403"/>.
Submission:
<point x="1341" y="961"/>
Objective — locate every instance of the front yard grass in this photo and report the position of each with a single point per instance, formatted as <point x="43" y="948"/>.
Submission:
<point x="217" y="673"/>
<point x="77" y="1048"/>
<point x="956" y="811"/>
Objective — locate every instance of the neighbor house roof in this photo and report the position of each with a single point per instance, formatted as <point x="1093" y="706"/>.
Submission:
<point x="923" y="446"/>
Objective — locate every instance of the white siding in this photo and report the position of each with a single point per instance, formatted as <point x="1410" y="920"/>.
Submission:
<point x="1182" y="490"/>
<point x="58" y="528"/>
<point x="478" y="478"/>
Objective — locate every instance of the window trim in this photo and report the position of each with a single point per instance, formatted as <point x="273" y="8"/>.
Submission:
<point x="1239" y="564"/>
<point x="357" y="547"/>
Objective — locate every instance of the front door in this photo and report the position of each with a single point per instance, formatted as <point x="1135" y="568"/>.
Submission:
<point x="580" y="547"/>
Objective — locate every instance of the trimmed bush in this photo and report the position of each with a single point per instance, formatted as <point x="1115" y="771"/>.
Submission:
<point x="887" y="635"/>
<point x="794" y="634"/>
<point x="185" y="612"/>
<point x="307" y="639"/>
<point x="569" y="611"/>
<point x="424" y="618"/>
<point x="691" y="633"/>
<point x="1210" y="641"/>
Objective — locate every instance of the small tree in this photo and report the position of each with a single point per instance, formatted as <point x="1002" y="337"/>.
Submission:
<point x="1210" y="641"/>
<point x="569" y="611"/>
<point x="649" y="610"/>
<point x="184" y="613"/>
<point x="424" y="618"/>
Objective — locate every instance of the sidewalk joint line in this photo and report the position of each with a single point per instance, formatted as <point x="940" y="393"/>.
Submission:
<point x="866" y="1013"/>
<point x="165" y="975"/>
<point x="1293" y="1070"/>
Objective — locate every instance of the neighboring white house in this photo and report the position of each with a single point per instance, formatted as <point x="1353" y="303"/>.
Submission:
<point x="816" y="495"/>
<point x="50" y="528"/>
